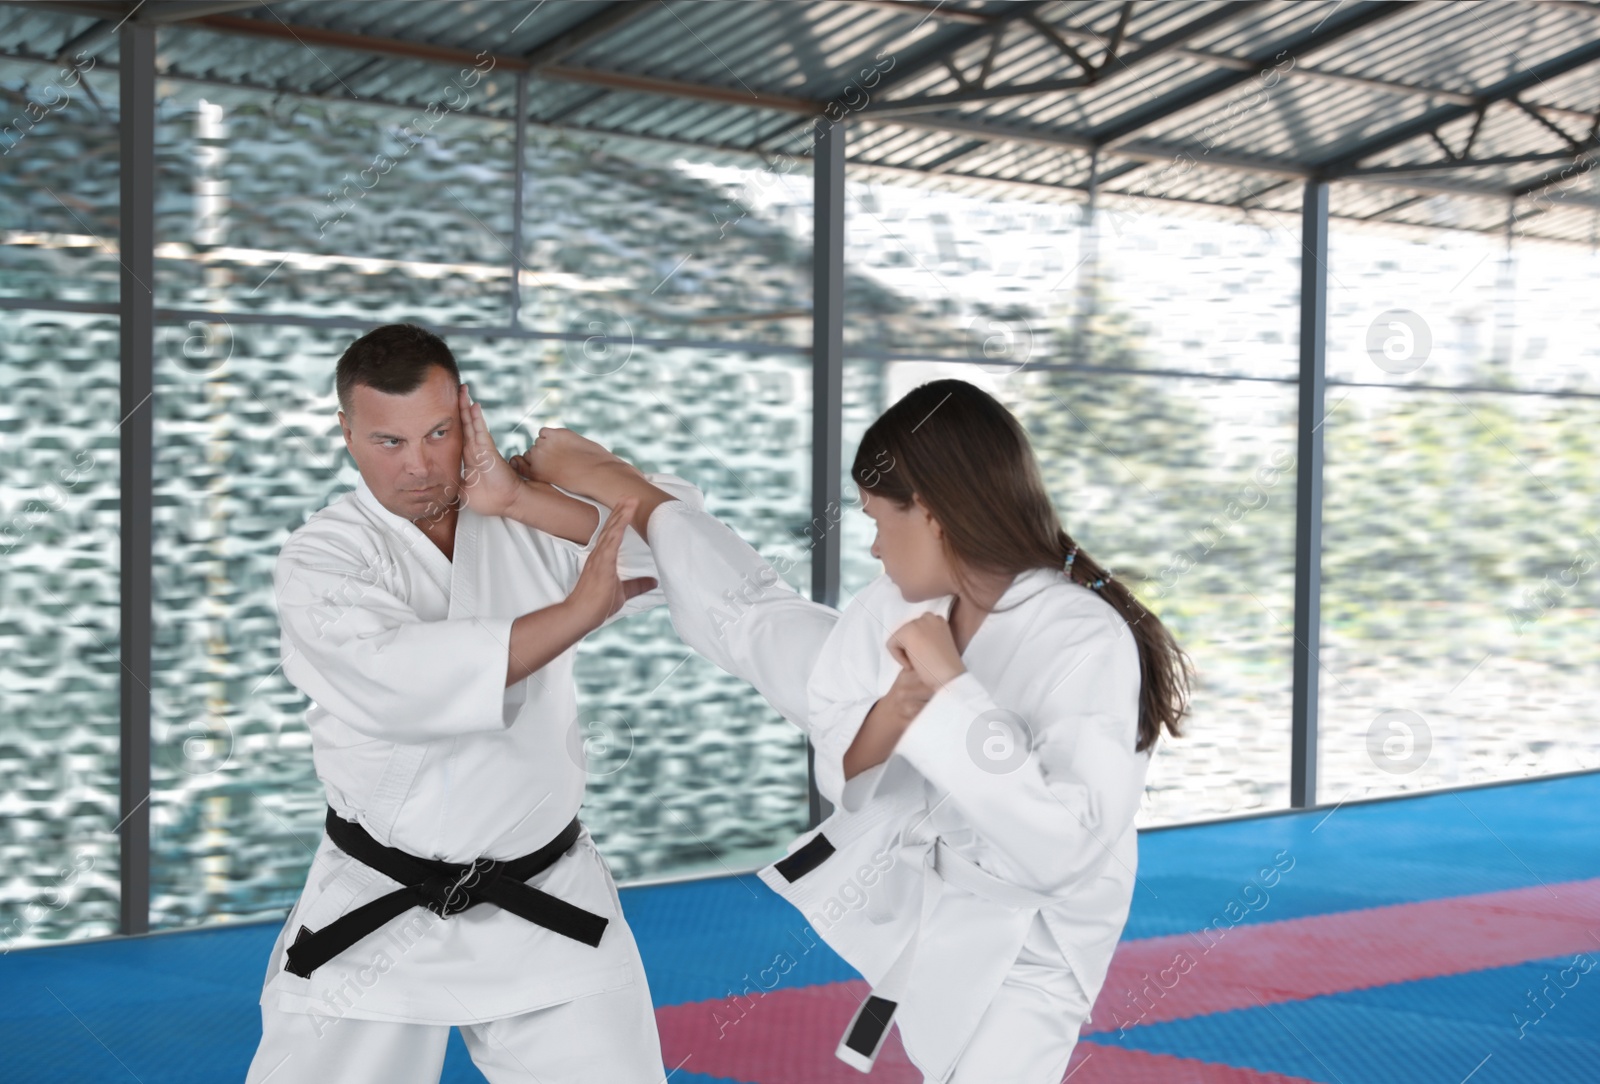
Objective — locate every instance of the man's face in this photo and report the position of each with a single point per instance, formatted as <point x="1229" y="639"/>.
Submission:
<point x="408" y="447"/>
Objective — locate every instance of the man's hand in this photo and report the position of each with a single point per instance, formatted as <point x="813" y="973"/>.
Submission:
<point x="927" y="645"/>
<point x="575" y="463"/>
<point x="489" y="485"/>
<point x="600" y="592"/>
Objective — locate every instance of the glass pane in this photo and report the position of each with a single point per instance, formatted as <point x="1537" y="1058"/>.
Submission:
<point x="1184" y="488"/>
<point x="60" y="626"/>
<point x="956" y="275"/>
<point x="246" y="446"/>
<point x="628" y="239"/>
<point x="281" y="204"/>
<point x="1450" y="612"/>
<point x="695" y="772"/>
<point x="866" y="395"/>
<point x="1446" y="307"/>
<point x="59" y="183"/>
<point x="1001" y="278"/>
<point x="1460" y="537"/>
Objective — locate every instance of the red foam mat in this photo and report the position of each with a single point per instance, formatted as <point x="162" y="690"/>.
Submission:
<point x="788" y="1036"/>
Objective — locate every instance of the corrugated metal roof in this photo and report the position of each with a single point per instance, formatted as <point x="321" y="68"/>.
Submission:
<point x="1178" y="98"/>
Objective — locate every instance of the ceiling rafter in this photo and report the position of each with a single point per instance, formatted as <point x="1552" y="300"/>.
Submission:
<point x="1430" y="187"/>
<point x="942" y="50"/>
<point x="1091" y="75"/>
<point x="1472" y="163"/>
<point x="1334" y="27"/>
<point x="1533" y="112"/>
<point x="1301" y="72"/>
<point x="1343" y="162"/>
<point x="1134" y="152"/>
<point x="1050" y="35"/>
<point x="1580" y="166"/>
<point x="938" y="52"/>
<point x="611" y="80"/>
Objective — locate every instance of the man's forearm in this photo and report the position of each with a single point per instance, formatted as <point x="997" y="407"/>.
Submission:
<point x="537" y="638"/>
<point x="545" y="508"/>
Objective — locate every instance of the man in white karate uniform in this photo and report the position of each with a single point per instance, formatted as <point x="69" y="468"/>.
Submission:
<point x="431" y="616"/>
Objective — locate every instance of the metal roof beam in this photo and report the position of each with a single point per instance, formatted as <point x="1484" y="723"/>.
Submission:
<point x="1048" y="32"/>
<point x="1301" y="73"/>
<point x="1148" y="50"/>
<point x="90" y="40"/>
<point x="1334" y="27"/>
<point x="1342" y="163"/>
<point x="1045" y="186"/>
<point x="446" y="54"/>
<point x="1155" y="152"/>
<point x="1464" y="163"/>
<point x="1430" y="186"/>
<point x="1367" y="82"/>
<point x="936" y="52"/>
<point x="361" y="43"/>
<point x="1146" y="151"/>
<point x="673" y="88"/>
<point x="1583" y="164"/>
<point x="1566" y="137"/>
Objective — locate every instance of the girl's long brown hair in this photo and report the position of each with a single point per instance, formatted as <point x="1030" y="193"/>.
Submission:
<point x="968" y="458"/>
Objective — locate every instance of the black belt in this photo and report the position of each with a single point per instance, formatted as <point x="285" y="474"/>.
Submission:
<point x="445" y="888"/>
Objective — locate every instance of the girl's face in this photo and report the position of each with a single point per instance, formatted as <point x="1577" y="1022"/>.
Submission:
<point x="908" y="544"/>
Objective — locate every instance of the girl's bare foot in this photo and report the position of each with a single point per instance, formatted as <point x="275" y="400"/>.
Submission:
<point x="577" y="464"/>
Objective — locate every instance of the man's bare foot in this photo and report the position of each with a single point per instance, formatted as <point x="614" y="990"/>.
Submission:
<point x="577" y="464"/>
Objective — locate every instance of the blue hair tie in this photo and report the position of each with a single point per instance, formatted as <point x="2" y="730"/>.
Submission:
<point x="1072" y="555"/>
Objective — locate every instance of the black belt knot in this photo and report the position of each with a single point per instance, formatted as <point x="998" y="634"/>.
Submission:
<point x="445" y="888"/>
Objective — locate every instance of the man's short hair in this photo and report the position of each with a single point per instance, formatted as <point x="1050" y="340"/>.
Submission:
<point x="394" y="359"/>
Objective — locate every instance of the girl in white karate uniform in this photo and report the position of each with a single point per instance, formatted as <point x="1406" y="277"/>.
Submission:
<point x="983" y="715"/>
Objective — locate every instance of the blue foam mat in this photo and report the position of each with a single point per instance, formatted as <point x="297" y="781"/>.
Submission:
<point x="1430" y="1030"/>
<point x="182" y="1008"/>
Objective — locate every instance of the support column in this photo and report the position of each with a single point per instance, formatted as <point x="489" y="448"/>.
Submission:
<point x="1308" y="490"/>
<point x="827" y="385"/>
<point x="136" y="242"/>
<point x="517" y="175"/>
<point x="1089" y="265"/>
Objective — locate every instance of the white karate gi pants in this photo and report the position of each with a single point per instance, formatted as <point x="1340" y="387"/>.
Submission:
<point x="609" y="1036"/>
<point x="1027" y="1033"/>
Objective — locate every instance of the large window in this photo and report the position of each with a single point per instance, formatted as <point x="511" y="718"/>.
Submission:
<point x="278" y="204"/>
<point x="1181" y="481"/>
<point x="59" y="626"/>
<point x="58" y="185"/>
<point x="59" y="488"/>
<point x="1461" y="525"/>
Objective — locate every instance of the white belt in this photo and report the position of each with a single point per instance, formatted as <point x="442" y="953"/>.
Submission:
<point x="963" y="873"/>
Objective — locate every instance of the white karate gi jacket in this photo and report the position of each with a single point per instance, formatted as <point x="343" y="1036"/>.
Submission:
<point x="416" y="736"/>
<point x="1052" y="839"/>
